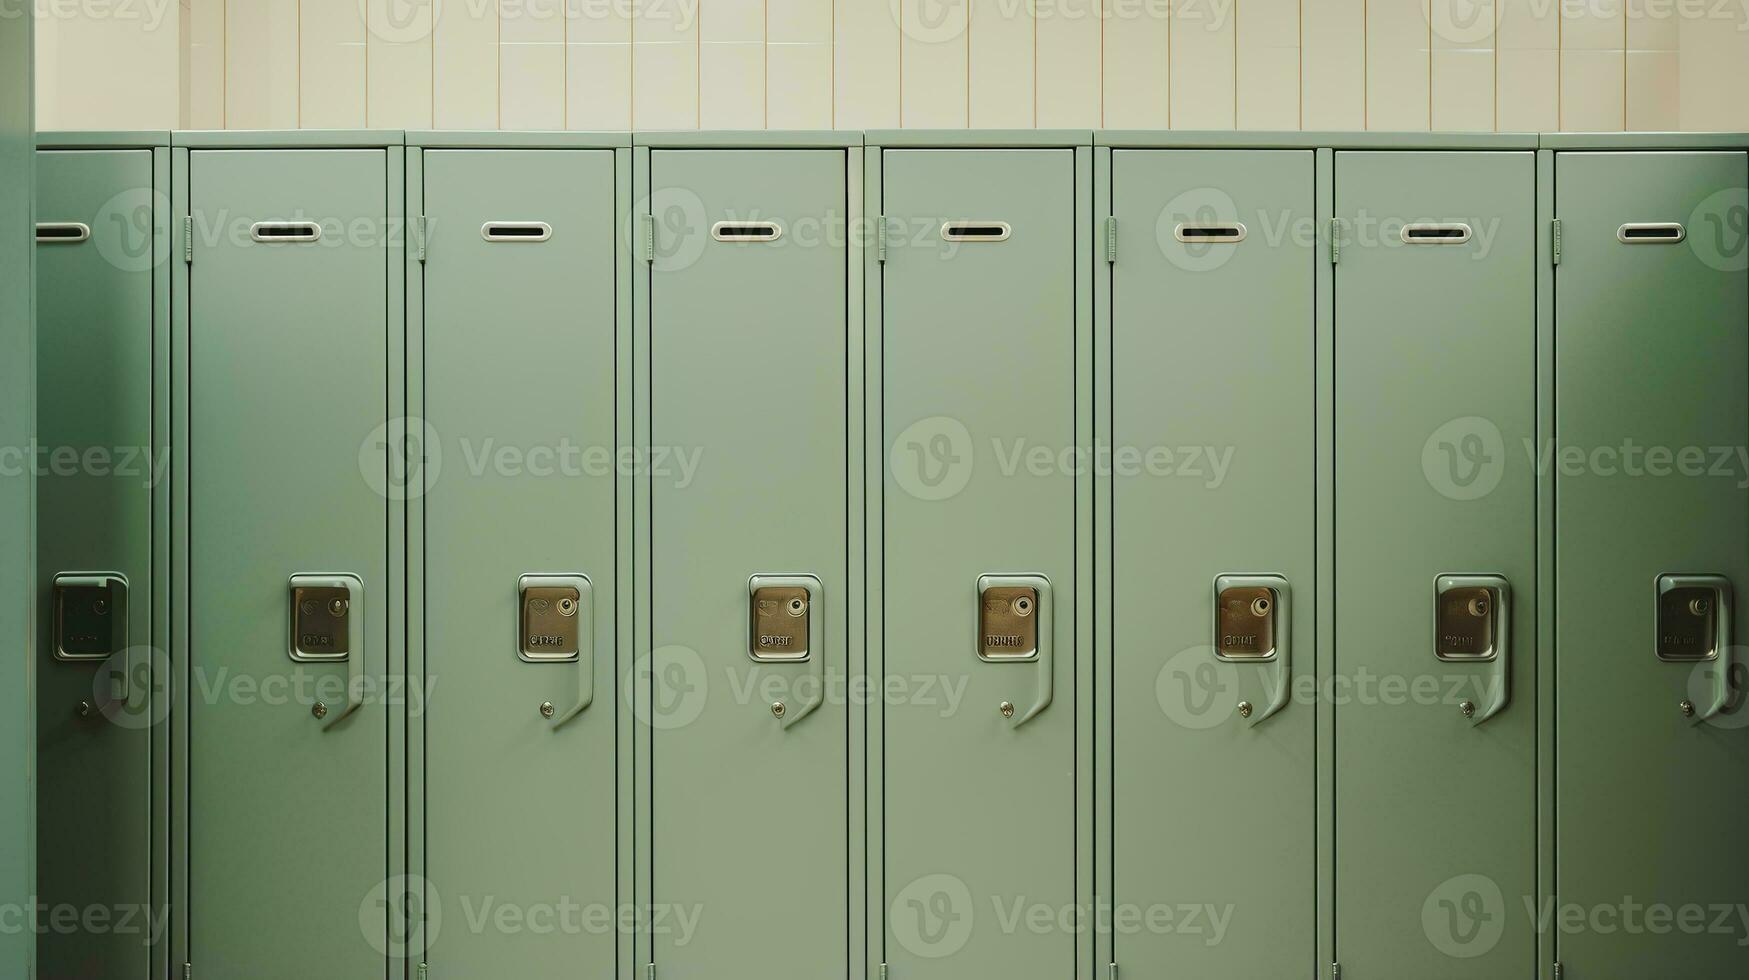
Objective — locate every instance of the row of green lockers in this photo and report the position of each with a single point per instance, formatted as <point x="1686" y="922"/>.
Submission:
<point x="963" y="556"/>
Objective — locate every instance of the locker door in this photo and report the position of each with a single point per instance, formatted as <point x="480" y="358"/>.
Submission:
<point x="520" y="591"/>
<point x="979" y="366"/>
<point x="1650" y="352"/>
<point x="1213" y="568"/>
<point x="749" y="562"/>
<point x="95" y="262"/>
<point x="1435" y="561"/>
<point x="288" y="366"/>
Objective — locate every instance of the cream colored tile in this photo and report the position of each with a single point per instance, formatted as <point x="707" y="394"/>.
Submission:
<point x="666" y="21"/>
<point x="531" y="80"/>
<point x="731" y="85"/>
<point x="865" y="65"/>
<point x="598" y="22"/>
<point x="206" y="65"/>
<point x="399" y="63"/>
<point x="114" y="71"/>
<point x="261" y="64"/>
<point x="1463" y="25"/>
<point x="1596" y="25"/>
<point x="1398" y="69"/>
<point x="332" y="74"/>
<point x="665" y="85"/>
<point x="1136" y="85"/>
<point x="465" y="66"/>
<point x="1532" y="25"/>
<point x="1201" y="65"/>
<point x="1463" y="91"/>
<point x="1529" y="96"/>
<point x="1714" y="75"/>
<point x="1268" y="65"/>
<point x="598" y="80"/>
<point x="1068" y="64"/>
<point x="798" y="86"/>
<point x="731" y="20"/>
<point x="798" y="21"/>
<point x="1000" y="57"/>
<point x="1333" y="65"/>
<point x="1654" y="93"/>
<point x="1591" y="91"/>
<point x="1656" y="25"/>
<point x="933" y="64"/>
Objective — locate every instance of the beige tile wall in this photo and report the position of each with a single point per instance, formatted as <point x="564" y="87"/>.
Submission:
<point x="793" y="64"/>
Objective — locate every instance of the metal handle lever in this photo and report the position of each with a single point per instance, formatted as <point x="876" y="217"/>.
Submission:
<point x="585" y="668"/>
<point x="516" y="231"/>
<point x="62" y="232"/>
<point x="1043" y="663"/>
<point x="792" y="711"/>
<point x="1722" y="667"/>
<point x="1280" y="663"/>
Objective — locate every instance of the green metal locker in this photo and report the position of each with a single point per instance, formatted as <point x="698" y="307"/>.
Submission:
<point x="520" y="551"/>
<point x="981" y="304"/>
<point x="1435" y="538"/>
<point x="1651" y="391"/>
<point x="747" y="462"/>
<point x="290" y="357"/>
<point x="102" y="263"/>
<point x="1213" y="565"/>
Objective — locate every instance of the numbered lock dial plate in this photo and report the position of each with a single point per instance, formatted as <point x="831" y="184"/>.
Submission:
<point x="1693" y="617"/>
<point x="1008" y="622"/>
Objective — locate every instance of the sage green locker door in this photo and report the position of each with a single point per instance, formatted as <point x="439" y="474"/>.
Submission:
<point x="748" y="478"/>
<point x="1651" y="414"/>
<point x="1435" y="408"/>
<point x="95" y="261"/>
<point x="979" y="374"/>
<point x="288" y="475"/>
<point x="1213" y="408"/>
<point x="519" y="393"/>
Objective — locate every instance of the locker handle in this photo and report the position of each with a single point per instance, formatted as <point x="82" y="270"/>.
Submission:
<point x="1280" y="663"/>
<point x="746" y="231"/>
<point x="786" y="714"/>
<point x="583" y="663"/>
<point x="1498" y="685"/>
<point x="62" y="232"/>
<point x="516" y="231"/>
<point x="355" y="643"/>
<point x="285" y="231"/>
<point x="976" y="231"/>
<point x="1436" y="233"/>
<point x="1044" y="662"/>
<point x="1651" y="233"/>
<point x="1207" y="232"/>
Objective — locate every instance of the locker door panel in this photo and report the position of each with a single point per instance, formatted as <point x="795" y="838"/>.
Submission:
<point x="979" y="372"/>
<point x="1213" y="363"/>
<point x="748" y="338"/>
<point x="1435" y="406"/>
<point x="288" y="468"/>
<point x="520" y="398"/>
<point x="1651" y="352"/>
<point x="94" y="514"/>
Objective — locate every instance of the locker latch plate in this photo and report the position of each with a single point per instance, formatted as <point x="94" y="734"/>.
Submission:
<point x="1690" y="611"/>
<point x="1008" y="622"/>
<point x="1467" y="617"/>
<point x="322" y="611"/>
<point x="780" y="622"/>
<point x="550" y="620"/>
<point x="1245" y="618"/>
<point x="91" y="615"/>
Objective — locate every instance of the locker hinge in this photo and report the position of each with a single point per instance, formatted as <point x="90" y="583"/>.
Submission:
<point x="1559" y="971"/>
<point x="650" y="972"/>
<point x="1111" y="245"/>
<point x="1335" y="971"/>
<point x="1113" y="971"/>
<point x="648" y="221"/>
<point x="883" y="971"/>
<point x="188" y="239"/>
<point x="424" y="971"/>
<point x="419" y="235"/>
<point x="1335" y="251"/>
<point x="1555" y="240"/>
<point x="881" y="239"/>
<point x="187" y="971"/>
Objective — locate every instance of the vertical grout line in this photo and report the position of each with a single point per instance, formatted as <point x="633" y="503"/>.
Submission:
<point x="968" y="113"/>
<point x="1429" y="9"/>
<point x="224" y="64"/>
<point x="298" y="37"/>
<point x="1171" y="32"/>
<point x="1560" y="69"/>
<point x="498" y="60"/>
<point x="1624" y="69"/>
<point x="1300" y="74"/>
<point x="1235" y="15"/>
<point x="1032" y="12"/>
<point x="1365" y="64"/>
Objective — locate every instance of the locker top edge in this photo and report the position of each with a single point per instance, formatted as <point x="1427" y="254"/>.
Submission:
<point x="1310" y="140"/>
<point x="750" y="139"/>
<point x="1645" y="141"/>
<point x="289" y="139"/>
<point x="445" y="139"/>
<point x="978" y="138"/>
<point x="126" y="139"/>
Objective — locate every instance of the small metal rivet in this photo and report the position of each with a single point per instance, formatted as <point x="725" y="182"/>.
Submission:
<point x="83" y="709"/>
<point x="1468" y="708"/>
<point x="546" y="709"/>
<point x="777" y="709"/>
<point x="1244" y="709"/>
<point x="1008" y="709"/>
<point x="319" y="710"/>
<point x="1687" y="708"/>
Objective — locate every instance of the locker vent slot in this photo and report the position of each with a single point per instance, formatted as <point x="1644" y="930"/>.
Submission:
<point x="62" y="232"/>
<point x="1205" y="232"/>
<point x="1651" y="233"/>
<point x="516" y="231"/>
<point x="746" y="231"/>
<point x="285" y="231"/>
<point x="1453" y="233"/>
<point x="976" y="231"/>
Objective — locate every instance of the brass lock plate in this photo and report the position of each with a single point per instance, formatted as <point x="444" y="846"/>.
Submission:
<point x="90" y="615"/>
<point x="550" y="615"/>
<point x="783" y="617"/>
<point x="1693" y="611"/>
<point x="1245" y="617"/>
<point x="1468" y="616"/>
<point x="321" y="622"/>
<point x="1008" y="619"/>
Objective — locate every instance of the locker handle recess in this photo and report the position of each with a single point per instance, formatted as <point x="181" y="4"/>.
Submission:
<point x="1651" y="233"/>
<point x="1043" y="660"/>
<point x="746" y="231"/>
<point x="553" y="634"/>
<point x="1473" y="624"/>
<point x="1273" y="591"/>
<point x="285" y="231"/>
<point x="1436" y="233"/>
<point x="516" y="231"/>
<point x="976" y="231"/>
<point x="1204" y="233"/>
<point x="62" y="233"/>
<point x="780" y="610"/>
<point x="1693" y="620"/>
<point x="327" y="619"/>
